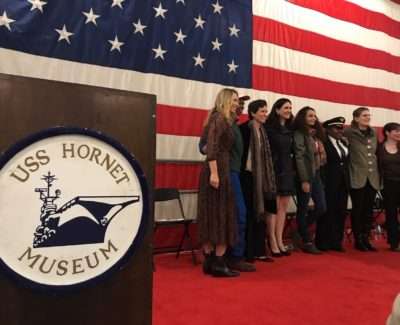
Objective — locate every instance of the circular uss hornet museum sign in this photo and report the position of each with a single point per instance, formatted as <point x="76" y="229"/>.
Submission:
<point x="73" y="204"/>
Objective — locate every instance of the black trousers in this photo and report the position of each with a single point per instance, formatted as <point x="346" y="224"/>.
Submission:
<point x="362" y="200"/>
<point x="391" y="201"/>
<point x="330" y="227"/>
<point x="255" y="229"/>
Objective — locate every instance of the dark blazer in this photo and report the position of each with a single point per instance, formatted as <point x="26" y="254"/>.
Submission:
<point x="336" y="168"/>
<point x="245" y="131"/>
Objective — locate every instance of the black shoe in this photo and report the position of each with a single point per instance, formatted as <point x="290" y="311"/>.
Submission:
<point x="220" y="269"/>
<point x="395" y="248"/>
<point x="266" y="259"/>
<point x="368" y="244"/>
<point x="285" y="252"/>
<point x="276" y="254"/>
<point x="339" y="249"/>
<point x="322" y="248"/>
<point x="359" y="245"/>
<point x="241" y="266"/>
<point x="207" y="263"/>
<point x="309" y="248"/>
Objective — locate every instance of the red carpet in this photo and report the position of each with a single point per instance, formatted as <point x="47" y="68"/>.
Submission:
<point x="334" y="288"/>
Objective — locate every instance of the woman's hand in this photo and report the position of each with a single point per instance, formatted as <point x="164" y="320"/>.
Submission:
<point x="214" y="180"/>
<point x="305" y="186"/>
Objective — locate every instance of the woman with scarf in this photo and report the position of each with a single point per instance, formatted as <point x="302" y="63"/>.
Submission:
<point x="310" y="156"/>
<point x="258" y="180"/>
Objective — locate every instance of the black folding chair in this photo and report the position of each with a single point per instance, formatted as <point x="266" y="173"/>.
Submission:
<point x="172" y="194"/>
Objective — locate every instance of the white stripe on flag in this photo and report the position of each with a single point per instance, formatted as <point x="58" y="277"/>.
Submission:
<point x="310" y="20"/>
<point x="182" y="148"/>
<point x="386" y="7"/>
<point x="267" y="54"/>
<point x="192" y="94"/>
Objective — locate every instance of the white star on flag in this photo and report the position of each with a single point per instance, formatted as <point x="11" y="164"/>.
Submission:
<point x="198" y="60"/>
<point x="180" y="36"/>
<point x="234" y="31"/>
<point x="159" y="52"/>
<point x="117" y="3"/>
<point x="115" y="44"/>
<point x="181" y="1"/>
<point x="232" y="66"/>
<point x="216" y="45"/>
<point x="139" y="28"/>
<point x="5" y="21"/>
<point x="160" y="11"/>
<point x="217" y="8"/>
<point x="37" y="4"/>
<point x="90" y="17"/>
<point x="199" y="22"/>
<point x="64" y="34"/>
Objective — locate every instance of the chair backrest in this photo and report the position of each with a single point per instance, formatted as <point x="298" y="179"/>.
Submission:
<point x="166" y="194"/>
<point x="169" y="194"/>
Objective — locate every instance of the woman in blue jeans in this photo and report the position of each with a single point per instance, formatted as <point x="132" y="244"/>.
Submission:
<point x="310" y="156"/>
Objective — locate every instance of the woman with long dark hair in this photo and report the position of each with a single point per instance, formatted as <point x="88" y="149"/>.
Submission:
<point x="364" y="176"/>
<point x="389" y="163"/>
<point x="280" y="135"/>
<point x="310" y="156"/>
<point x="257" y="179"/>
<point x="216" y="209"/>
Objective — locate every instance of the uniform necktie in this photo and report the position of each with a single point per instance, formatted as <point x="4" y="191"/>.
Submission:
<point x="342" y="152"/>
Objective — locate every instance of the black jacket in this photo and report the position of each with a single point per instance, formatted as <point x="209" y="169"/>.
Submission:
<point x="245" y="131"/>
<point x="336" y="168"/>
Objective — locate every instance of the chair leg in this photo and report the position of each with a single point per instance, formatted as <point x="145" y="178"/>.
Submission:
<point x="194" y="258"/>
<point x="184" y="235"/>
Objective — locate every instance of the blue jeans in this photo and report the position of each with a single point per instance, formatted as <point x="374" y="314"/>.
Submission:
<point x="318" y="195"/>
<point x="237" y="251"/>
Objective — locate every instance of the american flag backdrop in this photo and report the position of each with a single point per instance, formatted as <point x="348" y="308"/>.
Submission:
<point x="333" y="55"/>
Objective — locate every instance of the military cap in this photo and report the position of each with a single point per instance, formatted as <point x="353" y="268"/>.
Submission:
<point x="336" y="121"/>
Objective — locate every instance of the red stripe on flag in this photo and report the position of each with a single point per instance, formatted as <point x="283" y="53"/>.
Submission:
<point x="396" y="1"/>
<point x="180" y="176"/>
<point x="267" y="78"/>
<point x="353" y="13"/>
<point x="180" y="120"/>
<point x="271" y="31"/>
<point x="175" y="120"/>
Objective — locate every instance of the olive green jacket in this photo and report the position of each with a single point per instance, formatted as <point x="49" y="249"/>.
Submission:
<point x="304" y="156"/>
<point x="363" y="159"/>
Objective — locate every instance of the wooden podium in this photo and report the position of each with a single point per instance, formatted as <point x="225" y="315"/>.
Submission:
<point x="30" y="105"/>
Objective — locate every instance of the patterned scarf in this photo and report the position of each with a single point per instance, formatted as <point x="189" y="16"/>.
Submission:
<point x="264" y="185"/>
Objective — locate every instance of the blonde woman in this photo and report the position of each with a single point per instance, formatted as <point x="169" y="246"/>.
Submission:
<point x="216" y="206"/>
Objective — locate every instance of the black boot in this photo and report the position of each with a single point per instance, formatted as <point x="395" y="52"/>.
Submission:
<point x="208" y="262"/>
<point x="368" y="244"/>
<point x="220" y="269"/>
<point x="359" y="244"/>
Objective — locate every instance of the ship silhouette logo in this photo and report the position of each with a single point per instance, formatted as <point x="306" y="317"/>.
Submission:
<point x="74" y="208"/>
<point x="81" y="220"/>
